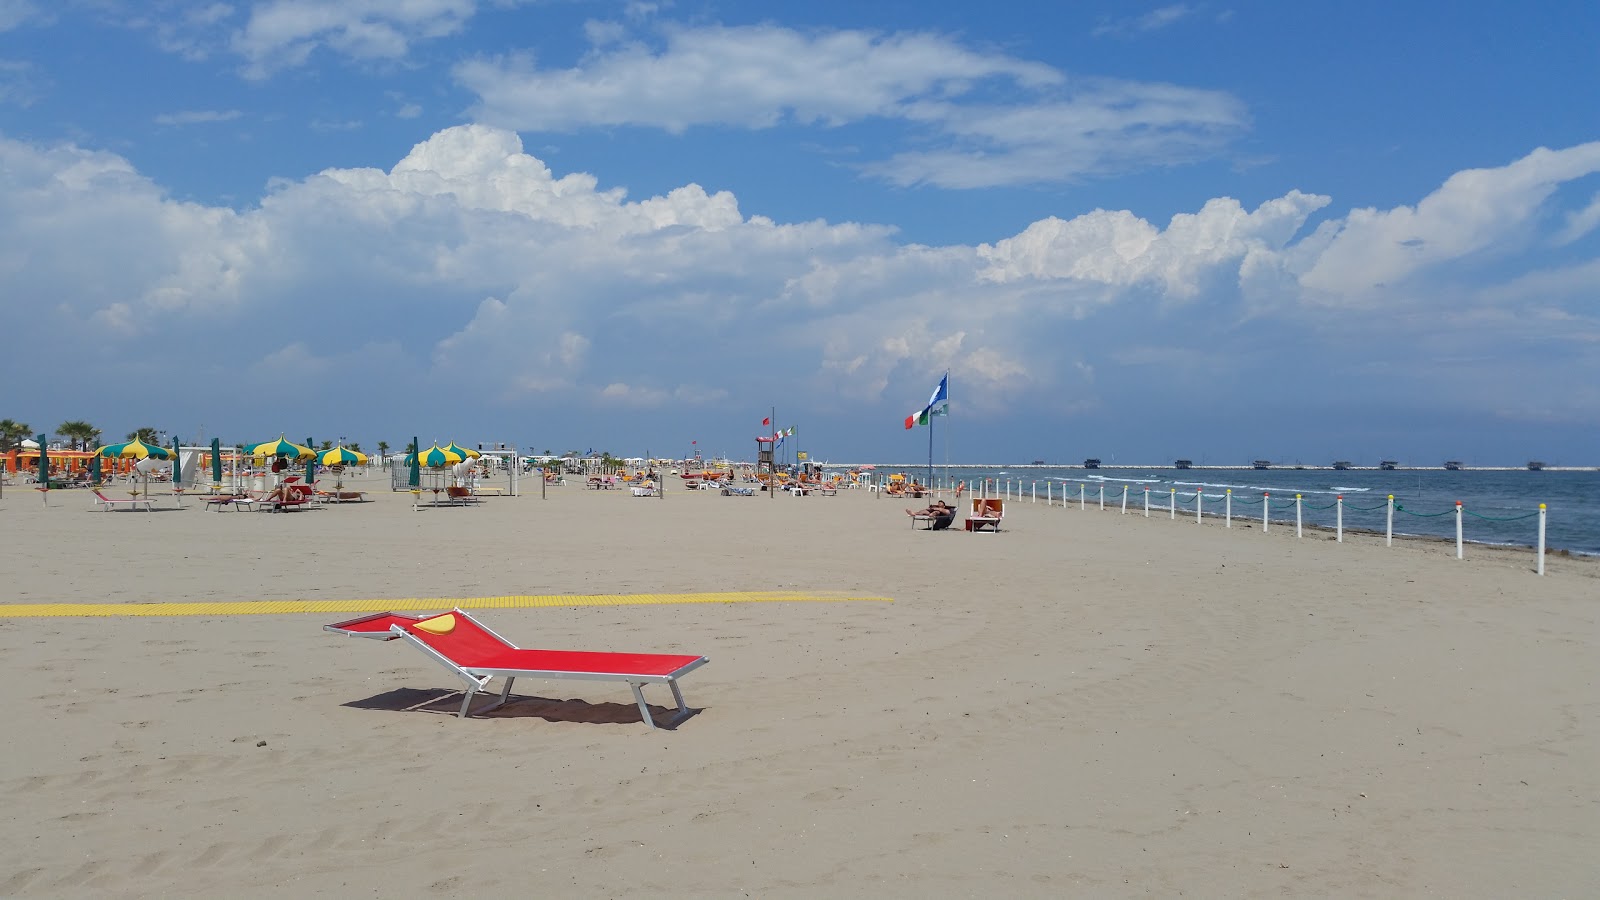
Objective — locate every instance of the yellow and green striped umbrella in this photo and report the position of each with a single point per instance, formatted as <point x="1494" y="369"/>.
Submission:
<point x="280" y="447"/>
<point x="435" y="457"/>
<point x="134" y="449"/>
<point x="342" y="456"/>
<point x="462" y="451"/>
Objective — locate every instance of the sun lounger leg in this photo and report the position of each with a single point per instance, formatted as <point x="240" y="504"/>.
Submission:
<point x="466" y="703"/>
<point x="677" y="694"/>
<point x="644" y="708"/>
<point x="505" y="697"/>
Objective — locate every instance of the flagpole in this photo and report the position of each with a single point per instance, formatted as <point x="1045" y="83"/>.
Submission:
<point x="772" y="464"/>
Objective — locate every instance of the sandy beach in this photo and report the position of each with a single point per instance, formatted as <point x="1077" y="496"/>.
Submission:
<point x="1086" y="704"/>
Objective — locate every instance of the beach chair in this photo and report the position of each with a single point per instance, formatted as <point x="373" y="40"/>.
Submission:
<point x="933" y="522"/>
<point x="107" y="504"/>
<point x="477" y="656"/>
<point x="986" y="513"/>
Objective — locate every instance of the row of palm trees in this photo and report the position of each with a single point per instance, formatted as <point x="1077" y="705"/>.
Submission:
<point x="79" y="435"/>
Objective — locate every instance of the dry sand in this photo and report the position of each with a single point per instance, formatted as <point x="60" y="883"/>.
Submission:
<point x="1086" y="704"/>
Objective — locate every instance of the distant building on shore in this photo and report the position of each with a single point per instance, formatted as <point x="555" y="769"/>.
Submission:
<point x="1091" y="463"/>
<point x="1183" y="463"/>
<point x="1535" y="465"/>
<point x="1388" y="464"/>
<point x="1262" y="464"/>
<point x="1341" y="465"/>
<point x="1454" y="465"/>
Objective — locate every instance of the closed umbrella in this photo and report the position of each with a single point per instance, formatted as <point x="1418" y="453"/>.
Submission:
<point x="311" y="465"/>
<point x="411" y="460"/>
<point x="177" y="469"/>
<point x="44" y="472"/>
<point x="216" y="462"/>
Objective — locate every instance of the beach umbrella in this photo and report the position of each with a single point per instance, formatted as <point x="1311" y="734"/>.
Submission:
<point x="44" y="471"/>
<point x="177" y="469"/>
<point x="94" y="470"/>
<point x="462" y="451"/>
<point x="342" y="456"/>
<point x="280" y="447"/>
<point x="435" y="457"/>
<point x="216" y="461"/>
<point x="134" y="449"/>
<point x="311" y="464"/>
<point x="411" y="460"/>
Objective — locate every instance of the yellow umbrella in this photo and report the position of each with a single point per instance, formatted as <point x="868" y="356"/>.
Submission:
<point x="463" y="451"/>
<point x="342" y="456"/>
<point x="280" y="447"/>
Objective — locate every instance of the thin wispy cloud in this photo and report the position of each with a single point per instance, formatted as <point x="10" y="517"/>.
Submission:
<point x="969" y="117"/>
<point x="1155" y="20"/>
<point x="198" y="117"/>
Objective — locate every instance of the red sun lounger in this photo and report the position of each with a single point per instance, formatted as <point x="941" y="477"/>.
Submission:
<point x="477" y="655"/>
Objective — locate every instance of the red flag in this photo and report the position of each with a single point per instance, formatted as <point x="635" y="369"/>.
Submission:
<point x="694" y="442"/>
<point x="767" y="420"/>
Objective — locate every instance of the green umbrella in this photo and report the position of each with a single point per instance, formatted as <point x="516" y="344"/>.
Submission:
<point x="311" y="465"/>
<point x="216" y="461"/>
<point x="177" y="468"/>
<point x="461" y="451"/>
<point x="411" y="460"/>
<point x="94" y="470"/>
<point x="44" y="467"/>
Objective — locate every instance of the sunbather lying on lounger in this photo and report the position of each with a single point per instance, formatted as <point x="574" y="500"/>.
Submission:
<point x="939" y="508"/>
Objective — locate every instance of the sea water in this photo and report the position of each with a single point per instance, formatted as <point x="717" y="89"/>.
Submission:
<point x="1501" y="507"/>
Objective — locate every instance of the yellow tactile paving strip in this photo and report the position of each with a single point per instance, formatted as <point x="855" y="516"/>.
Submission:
<point x="412" y="604"/>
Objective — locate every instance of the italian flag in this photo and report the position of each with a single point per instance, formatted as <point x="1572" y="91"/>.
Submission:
<point x="925" y="416"/>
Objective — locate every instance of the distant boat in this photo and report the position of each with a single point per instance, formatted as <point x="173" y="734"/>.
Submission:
<point x="1091" y="463"/>
<point x="1341" y="465"/>
<point x="1454" y="465"/>
<point x="1182" y="463"/>
<point x="1535" y="465"/>
<point x="1263" y="464"/>
<point x="1038" y="462"/>
<point x="1388" y="465"/>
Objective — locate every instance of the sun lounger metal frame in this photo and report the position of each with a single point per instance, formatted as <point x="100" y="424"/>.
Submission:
<point x="477" y="678"/>
<point x="131" y="503"/>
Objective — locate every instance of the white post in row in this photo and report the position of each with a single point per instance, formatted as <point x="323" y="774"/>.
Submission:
<point x="1124" y="499"/>
<point x="1083" y="502"/>
<point x="1102" y="497"/>
<point x="1338" y="518"/>
<point x="1459" y="554"/>
<point x="1541" y="539"/>
<point x="1266" y="504"/>
<point x="1172" y="503"/>
<point x="1297" y="518"/>
<point x="1035" y="493"/>
<point x="1388" y="527"/>
<point x="1049" y="493"/>
<point x="1147" y="503"/>
<point x="1199" y="498"/>
<point x="1227" y="521"/>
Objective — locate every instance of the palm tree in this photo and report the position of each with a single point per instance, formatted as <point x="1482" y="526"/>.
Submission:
<point x="326" y="445"/>
<point x="383" y="453"/>
<point x="148" y="435"/>
<point x="12" y="433"/>
<point x="80" y="433"/>
<point x="354" y="445"/>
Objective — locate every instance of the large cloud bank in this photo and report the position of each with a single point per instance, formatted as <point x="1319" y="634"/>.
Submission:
<point x="470" y="263"/>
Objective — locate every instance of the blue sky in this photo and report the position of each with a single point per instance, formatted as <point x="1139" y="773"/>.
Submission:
<point x="1132" y="231"/>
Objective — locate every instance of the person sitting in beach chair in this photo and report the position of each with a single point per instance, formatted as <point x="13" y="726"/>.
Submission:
<point x="938" y="515"/>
